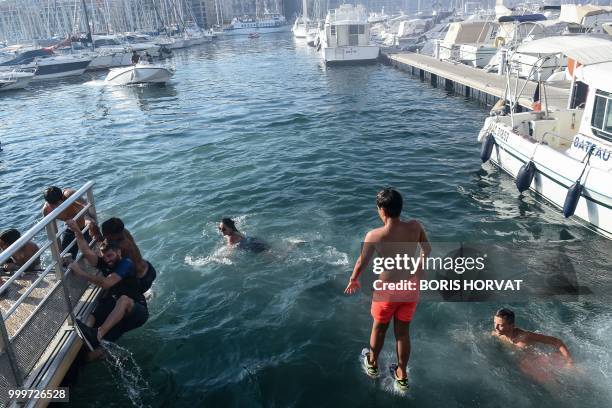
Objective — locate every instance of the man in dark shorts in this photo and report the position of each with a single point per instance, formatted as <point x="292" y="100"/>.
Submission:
<point x="122" y="307"/>
<point x="113" y="229"/>
<point x="395" y="237"/>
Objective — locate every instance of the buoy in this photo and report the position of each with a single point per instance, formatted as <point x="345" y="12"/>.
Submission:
<point x="571" y="199"/>
<point x="525" y="176"/>
<point x="487" y="147"/>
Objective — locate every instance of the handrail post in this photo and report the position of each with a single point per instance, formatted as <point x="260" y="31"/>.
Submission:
<point x="5" y="345"/>
<point x="92" y="209"/>
<point x="59" y="272"/>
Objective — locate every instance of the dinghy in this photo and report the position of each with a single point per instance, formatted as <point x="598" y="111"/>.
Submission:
<point x="141" y="73"/>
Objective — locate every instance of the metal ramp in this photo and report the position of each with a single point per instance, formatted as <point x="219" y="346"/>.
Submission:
<point x="37" y="340"/>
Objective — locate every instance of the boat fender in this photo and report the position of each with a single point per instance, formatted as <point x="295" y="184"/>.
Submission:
<point x="487" y="147"/>
<point x="575" y="191"/>
<point x="525" y="176"/>
<point x="571" y="199"/>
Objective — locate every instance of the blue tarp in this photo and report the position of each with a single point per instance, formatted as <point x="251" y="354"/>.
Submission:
<point x="27" y="57"/>
<point x="522" y="19"/>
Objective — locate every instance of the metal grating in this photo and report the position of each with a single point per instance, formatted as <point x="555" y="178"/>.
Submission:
<point x="32" y="340"/>
<point x="76" y="287"/>
<point x="7" y="380"/>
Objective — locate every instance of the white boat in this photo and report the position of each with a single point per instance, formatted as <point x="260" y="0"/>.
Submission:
<point x="469" y="42"/>
<point x="47" y="65"/>
<point x="345" y="37"/>
<point x="300" y="26"/>
<point x="564" y="155"/>
<point x="15" y="80"/>
<point x="300" y="29"/>
<point x="270" y="23"/>
<point x="141" y="73"/>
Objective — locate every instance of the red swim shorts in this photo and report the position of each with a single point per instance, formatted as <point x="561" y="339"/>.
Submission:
<point x="383" y="312"/>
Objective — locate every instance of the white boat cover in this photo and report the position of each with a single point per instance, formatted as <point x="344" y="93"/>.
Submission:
<point x="582" y="48"/>
<point x="596" y="75"/>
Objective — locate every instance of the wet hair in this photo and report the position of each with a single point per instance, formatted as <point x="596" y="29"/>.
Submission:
<point x="390" y="200"/>
<point x="53" y="195"/>
<point x="229" y="223"/>
<point x="107" y="245"/>
<point x="506" y="314"/>
<point x="9" y="236"/>
<point x="112" y="226"/>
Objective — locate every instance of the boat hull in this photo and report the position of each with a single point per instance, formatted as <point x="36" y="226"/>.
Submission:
<point x="110" y="60"/>
<point x="350" y="54"/>
<point x="60" y="70"/>
<point x="260" y="30"/>
<point x="13" y="82"/>
<point x="138" y="75"/>
<point x="555" y="174"/>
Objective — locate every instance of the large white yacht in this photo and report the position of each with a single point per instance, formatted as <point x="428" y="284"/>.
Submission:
<point x="563" y="155"/>
<point x="345" y="37"/>
<point x="269" y="23"/>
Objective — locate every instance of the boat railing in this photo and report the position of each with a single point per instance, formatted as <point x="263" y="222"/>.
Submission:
<point x="30" y="322"/>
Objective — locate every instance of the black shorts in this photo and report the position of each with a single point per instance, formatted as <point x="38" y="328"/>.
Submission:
<point x="68" y="237"/>
<point x="147" y="281"/>
<point x="136" y="318"/>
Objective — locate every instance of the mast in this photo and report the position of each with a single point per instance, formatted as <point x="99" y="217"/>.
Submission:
<point x="305" y="13"/>
<point x="87" y="23"/>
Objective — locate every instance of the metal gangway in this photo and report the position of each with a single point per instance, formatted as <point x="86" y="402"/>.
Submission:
<point x="38" y="342"/>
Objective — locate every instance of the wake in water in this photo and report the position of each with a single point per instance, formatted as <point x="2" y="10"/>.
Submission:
<point x="126" y="373"/>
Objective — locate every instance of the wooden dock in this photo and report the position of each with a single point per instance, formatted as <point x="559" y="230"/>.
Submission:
<point x="472" y="82"/>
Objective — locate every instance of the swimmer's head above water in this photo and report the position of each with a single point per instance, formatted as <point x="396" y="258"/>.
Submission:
<point x="503" y="322"/>
<point x="227" y="226"/>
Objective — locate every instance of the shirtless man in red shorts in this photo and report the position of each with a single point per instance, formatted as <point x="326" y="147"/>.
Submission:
<point x="395" y="237"/>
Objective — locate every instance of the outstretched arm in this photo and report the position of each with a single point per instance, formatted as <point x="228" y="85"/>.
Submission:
<point x="553" y="341"/>
<point x="103" y="282"/>
<point x="367" y="251"/>
<point x="88" y="253"/>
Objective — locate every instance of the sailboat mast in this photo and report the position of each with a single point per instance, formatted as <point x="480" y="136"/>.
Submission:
<point x="87" y="23"/>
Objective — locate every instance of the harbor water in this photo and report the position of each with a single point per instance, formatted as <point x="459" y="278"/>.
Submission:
<point x="260" y="130"/>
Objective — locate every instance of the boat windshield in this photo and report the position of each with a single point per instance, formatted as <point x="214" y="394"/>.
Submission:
<point x="601" y="122"/>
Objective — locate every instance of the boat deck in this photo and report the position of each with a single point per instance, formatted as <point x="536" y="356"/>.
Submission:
<point x="473" y="82"/>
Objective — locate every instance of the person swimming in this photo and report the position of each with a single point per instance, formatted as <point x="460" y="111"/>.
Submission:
<point x="537" y="366"/>
<point x="233" y="237"/>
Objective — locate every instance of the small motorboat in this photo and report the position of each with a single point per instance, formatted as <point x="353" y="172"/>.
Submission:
<point x="141" y="73"/>
<point x="15" y="80"/>
<point x="254" y="35"/>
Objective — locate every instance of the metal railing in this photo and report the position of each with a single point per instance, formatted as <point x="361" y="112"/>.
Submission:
<point x="23" y="343"/>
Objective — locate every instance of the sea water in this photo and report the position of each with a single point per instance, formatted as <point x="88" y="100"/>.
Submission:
<point x="259" y="130"/>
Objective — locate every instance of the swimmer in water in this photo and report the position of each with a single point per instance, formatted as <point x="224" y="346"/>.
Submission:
<point x="505" y="330"/>
<point x="233" y="237"/>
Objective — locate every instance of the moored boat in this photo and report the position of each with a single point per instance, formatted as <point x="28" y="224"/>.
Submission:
<point x="564" y="155"/>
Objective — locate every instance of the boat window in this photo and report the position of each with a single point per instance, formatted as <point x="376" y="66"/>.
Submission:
<point x="601" y="122"/>
<point x="332" y="29"/>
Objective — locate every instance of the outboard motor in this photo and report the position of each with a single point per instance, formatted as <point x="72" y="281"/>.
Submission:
<point x="487" y="147"/>
<point x="525" y="176"/>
